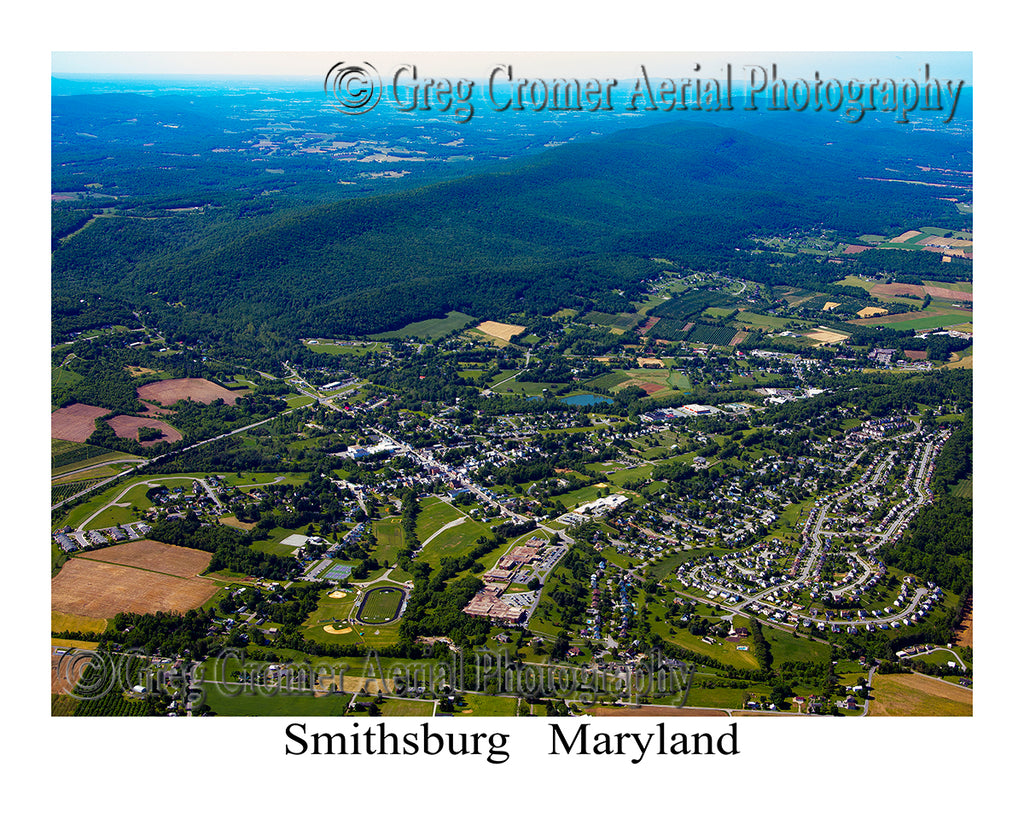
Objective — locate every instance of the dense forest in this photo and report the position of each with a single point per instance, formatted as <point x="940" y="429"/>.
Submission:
<point x="581" y="221"/>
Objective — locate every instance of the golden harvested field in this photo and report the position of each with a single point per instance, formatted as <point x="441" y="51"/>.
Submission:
<point x="906" y="237"/>
<point x="939" y="241"/>
<point x="66" y="622"/>
<point x="826" y="336"/>
<point x="871" y="311"/>
<point x="231" y="520"/>
<point x="194" y="389"/>
<point x="91" y="588"/>
<point x="499" y="330"/>
<point x="914" y="695"/>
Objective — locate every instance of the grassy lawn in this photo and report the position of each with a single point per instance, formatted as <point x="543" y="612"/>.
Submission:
<point x="787" y="648"/>
<point x="434" y="513"/>
<point x="390" y="539"/>
<point x="583" y="495"/>
<point x="346" y="348"/>
<point x="114" y="516"/>
<point x="252" y="479"/>
<point x="667" y="566"/>
<point x="96" y="473"/>
<point x="273" y="704"/>
<point x="721" y="650"/>
<point x="481" y="705"/>
<point x="718" y="697"/>
<point x="273" y="545"/>
<point x="457" y="541"/>
<point x="635" y="473"/>
<point x="526" y="387"/>
<point x="331" y="609"/>
<point x="916" y="695"/>
<point x="406" y="708"/>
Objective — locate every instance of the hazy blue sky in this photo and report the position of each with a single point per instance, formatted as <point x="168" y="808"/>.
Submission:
<point x="841" y="65"/>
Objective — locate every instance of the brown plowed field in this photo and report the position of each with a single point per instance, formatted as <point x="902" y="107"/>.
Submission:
<point x="193" y="389"/>
<point x="648" y="325"/>
<point x="921" y="291"/>
<point x="154" y="556"/>
<point x="65" y="669"/>
<point x="75" y="423"/>
<point x="127" y="426"/>
<point x="965" y="631"/>
<point x="90" y="588"/>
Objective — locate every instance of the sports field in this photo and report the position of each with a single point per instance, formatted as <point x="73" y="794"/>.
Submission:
<point x="381" y="605"/>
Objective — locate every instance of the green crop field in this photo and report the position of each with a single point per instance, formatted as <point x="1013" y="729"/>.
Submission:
<point x="930" y="322"/>
<point x="431" y="328"/>
<point x="709" y="334"/>
<point x="959" y="287"/>
<point x="59" y="377"/>
<point x="608" y="380"/>
<point x="617" y="321"/>
<point x="63" y="491"/>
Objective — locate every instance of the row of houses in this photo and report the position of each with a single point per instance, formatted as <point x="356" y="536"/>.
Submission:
<point x="72" y="541"/>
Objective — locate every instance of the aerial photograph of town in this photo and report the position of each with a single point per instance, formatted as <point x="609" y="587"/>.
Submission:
<point x="574" y="414"/>
<point x="520" y="394"/>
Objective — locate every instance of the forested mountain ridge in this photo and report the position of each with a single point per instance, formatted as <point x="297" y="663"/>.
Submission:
<point x="539" y="234"/>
